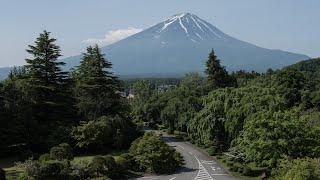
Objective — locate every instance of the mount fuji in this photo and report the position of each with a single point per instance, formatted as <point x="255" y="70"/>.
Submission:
<point x="181" y="44"/>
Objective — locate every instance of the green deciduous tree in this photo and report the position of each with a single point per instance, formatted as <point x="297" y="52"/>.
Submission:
<point x="154" y="155"/>
<point x="299" y="169"/>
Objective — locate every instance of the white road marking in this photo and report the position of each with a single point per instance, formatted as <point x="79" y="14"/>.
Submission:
<point x="190" y="153"/>
<point x="202" y="173"/>
<point x="220" y="174"/>
<point x="180" y="146"/>
<point x="173" y="178"/>
<point x="208" y="162"/>
<point x="213" y="168"/>
<point x="150" y="177"/>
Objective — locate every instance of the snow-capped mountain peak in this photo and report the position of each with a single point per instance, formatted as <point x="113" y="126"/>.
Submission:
<point x="181" y="44"/>
<point x="192" y="26"/>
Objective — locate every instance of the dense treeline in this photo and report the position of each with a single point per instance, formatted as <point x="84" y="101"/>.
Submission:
<point x="43" y="106"/>
<point x="261" y="120"/>
<point x="49" y="116"/>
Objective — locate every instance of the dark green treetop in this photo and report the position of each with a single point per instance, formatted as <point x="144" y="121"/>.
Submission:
<point x="217" y="76"/>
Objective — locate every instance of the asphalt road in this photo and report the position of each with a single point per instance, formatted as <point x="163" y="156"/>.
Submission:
<point x="198" y="166"/>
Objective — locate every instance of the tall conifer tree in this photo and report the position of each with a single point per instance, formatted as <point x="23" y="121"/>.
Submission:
<point x="97" y="89"/>
<point x="217" y="76"/>
<point x="47" y="87"/>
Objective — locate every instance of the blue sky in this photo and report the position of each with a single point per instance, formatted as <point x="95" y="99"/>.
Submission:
<point x="291" y="25"/>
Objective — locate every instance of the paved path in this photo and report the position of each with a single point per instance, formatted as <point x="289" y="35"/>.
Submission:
<point x="198" y="166"/>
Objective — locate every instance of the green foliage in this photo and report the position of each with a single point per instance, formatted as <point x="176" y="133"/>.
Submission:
<point x="142" y="93"/>
<point x="299" y="169"/>
<point x="37" y="98"/>
<point x="217" y="76"/>
<point x="80" y="170"/>
<point x="268" y="136"/>
<point x="154" y="155"/>
<point x="103" y="166"/>
<point x="61" y="152"/>
<point x="104" y="133"/>
<point x="44" y="157"/>
<point x="269" y="116"/>
<point x="54" y="169"/>
<point x="122" y="163"/>
<point x="290" y="83"/>
<point x="96" y="88"/>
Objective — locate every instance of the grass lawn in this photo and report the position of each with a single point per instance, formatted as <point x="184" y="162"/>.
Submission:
<point x="12" y="172"/>
<point x="7" y="164"/>
<point x="88" y="158"/>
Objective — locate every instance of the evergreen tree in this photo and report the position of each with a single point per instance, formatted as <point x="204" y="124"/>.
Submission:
<point x="47" y="87"/>
<point x="44" y="67"/>
<point x="97" y="89"/>
<point x="217" y="76"/>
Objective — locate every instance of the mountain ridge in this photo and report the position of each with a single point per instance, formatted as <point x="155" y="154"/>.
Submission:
<point x="181" y="43"/>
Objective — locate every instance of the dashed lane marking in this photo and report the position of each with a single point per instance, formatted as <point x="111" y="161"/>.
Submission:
<point x="190" y="153"/>
<point x="208" y="162"/>
<point x="220" y="174"/>
<point x="173" y="178"/>
<point x="150" y="178"/>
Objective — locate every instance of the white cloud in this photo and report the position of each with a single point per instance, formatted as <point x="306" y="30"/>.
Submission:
<point x="113" y="36"/>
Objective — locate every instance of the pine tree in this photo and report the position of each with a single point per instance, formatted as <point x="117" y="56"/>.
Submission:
<point x="44" y="67"/>
<point x="97" y="89"/>
<point x="48" y="89"/>
<point x="217" y="76"/>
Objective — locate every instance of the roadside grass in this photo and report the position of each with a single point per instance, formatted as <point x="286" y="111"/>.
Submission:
<point x="13" y="172"/>
<point x="89" y="157"/>
<point x="222" y="159"/>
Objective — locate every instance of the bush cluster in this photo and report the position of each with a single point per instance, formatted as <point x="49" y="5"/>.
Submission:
<point x="54" y="165"/>
<point x="299" y="169"/>
<point x="153" y="155"/>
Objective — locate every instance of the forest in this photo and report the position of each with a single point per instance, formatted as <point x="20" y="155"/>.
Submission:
<point x="73" y="125"/>
<point x="252" y="122"/>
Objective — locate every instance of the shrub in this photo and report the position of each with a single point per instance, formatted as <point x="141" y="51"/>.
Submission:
<point x="81" y="170"/>
<point x="122" y="163"/>
<point x="130" y="162"/>
<point x="98" y="166"/>
<point x="154" y="155"/>
<point x="61" y="152"/>
<point x="44" y="157"/>
<point x="252" y="171"/>
<point x="110" y="162"/>
<point x="54" y="169"/>
<point x="212" y="151"/>
<point x="229" y="163"/>
<point x="299" y="169"/>
<point x="30" y="167"/>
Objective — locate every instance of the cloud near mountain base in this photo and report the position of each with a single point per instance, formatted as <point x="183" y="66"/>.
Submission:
<point x="113" y="36"/>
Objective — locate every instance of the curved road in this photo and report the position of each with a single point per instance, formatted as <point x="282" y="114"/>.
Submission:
<point x="197" y="165"/>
